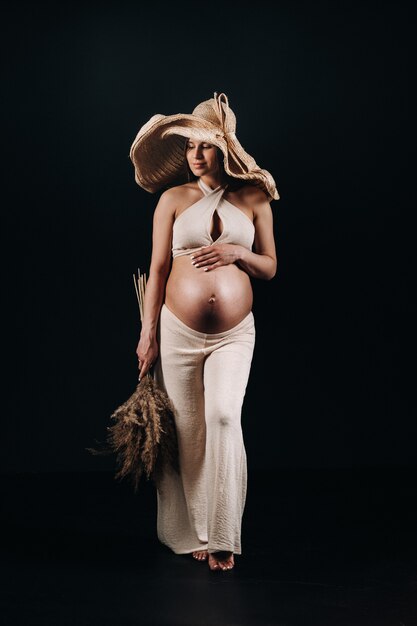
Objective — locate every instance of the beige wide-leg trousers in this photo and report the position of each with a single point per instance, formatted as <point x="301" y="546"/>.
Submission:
<point x="205" y="376"/>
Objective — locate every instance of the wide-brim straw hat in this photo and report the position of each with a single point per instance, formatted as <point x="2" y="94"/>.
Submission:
<point x="158" y="151"/>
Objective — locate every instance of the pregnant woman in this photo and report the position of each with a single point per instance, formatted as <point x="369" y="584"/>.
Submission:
<point x="212" y="231"/>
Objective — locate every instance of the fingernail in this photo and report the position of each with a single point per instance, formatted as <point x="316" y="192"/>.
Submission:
<point x="196" y="264"/>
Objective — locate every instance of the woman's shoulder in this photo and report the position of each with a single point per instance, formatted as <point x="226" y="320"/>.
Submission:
<point x="251" y="197"/>
<point x="180" y="190"/>
<point x="178" y="194"/>
<point x="253" y="194"/>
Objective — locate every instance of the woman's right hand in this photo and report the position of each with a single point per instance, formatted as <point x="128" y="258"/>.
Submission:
<point x="147" y="352"/>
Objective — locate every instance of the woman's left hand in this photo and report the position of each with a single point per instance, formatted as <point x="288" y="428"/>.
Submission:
<point x="216" y="255"/>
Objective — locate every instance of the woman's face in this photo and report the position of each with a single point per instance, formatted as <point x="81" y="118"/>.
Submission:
<point x="201" y="157"/>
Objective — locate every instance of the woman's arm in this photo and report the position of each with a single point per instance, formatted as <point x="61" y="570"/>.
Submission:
<point x="262" y="263"/>
<point x="147" y="349"/>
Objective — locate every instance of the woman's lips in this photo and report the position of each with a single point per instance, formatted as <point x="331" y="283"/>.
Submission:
<point x="198" y="164"/>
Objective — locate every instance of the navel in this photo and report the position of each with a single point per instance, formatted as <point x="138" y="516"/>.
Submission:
<point x="212" y="299"/>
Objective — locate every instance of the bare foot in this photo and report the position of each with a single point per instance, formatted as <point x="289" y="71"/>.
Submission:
<point x="200" y="555"/>
<point x="221" y="560"/>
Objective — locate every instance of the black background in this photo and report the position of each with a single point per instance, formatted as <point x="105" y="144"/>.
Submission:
<point x="322" y="95"/>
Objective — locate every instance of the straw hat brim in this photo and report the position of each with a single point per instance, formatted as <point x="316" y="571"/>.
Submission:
<point x="158" y="153"/>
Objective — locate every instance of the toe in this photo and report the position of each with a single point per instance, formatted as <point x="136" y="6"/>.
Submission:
<point x="213" y="564"/>
<point x="227" y="564"/>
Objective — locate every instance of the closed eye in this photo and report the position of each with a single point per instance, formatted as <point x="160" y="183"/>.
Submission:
<point x="204" y="146"/>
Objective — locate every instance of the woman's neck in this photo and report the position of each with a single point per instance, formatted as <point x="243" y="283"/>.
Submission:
<point x="213" y="180"/>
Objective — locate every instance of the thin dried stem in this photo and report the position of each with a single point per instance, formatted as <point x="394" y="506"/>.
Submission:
<point x="140" y="285"/>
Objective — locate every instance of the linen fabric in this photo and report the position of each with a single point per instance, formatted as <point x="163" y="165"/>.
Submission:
<point x="205" y="375"/>
<point x="191" y="229"/>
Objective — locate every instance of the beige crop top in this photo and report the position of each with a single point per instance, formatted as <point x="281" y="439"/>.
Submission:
<point x="191" y="229"/>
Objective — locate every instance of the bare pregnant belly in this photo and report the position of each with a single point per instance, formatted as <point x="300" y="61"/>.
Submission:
<point x="209" y="302"/>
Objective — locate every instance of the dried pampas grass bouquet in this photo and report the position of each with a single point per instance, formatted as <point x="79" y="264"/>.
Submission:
<point x="143" y="434"/>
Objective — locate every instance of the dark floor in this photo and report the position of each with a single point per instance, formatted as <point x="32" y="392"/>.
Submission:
<point x="325" y="548"/>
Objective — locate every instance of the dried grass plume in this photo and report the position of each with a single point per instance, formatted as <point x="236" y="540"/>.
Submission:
<point x="143" y="436"/>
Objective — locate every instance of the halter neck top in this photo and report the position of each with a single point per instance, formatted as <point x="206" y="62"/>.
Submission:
<point x="191" y="229"/>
